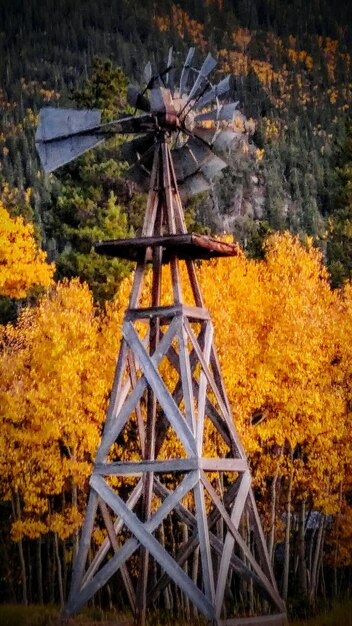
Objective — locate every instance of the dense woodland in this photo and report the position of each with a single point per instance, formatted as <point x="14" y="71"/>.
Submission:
<point x="283" y="339"/>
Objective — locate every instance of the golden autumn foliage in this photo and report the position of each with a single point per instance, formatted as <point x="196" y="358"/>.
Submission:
<point x="55" y="377"/>
<point x="22" y="264"/>
<point x="183" y="24"/>
<point x="281" y="84"/>
<point x="283" y="339"/>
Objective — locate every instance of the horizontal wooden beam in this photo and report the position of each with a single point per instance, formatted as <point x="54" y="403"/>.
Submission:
<point x="136" y="468"/>
<point x="165" y="313"/>
<point x="223" y="465"/>
<point x="165" y="399"/>
<point x="280" y="619"/>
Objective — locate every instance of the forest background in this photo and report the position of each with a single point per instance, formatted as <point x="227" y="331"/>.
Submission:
<point x="285" y="334"/>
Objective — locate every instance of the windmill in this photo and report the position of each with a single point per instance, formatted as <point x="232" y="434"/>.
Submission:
<point x="182" y="138"/>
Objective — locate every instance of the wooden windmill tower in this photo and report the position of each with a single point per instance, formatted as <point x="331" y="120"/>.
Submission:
<point x="172" y="477"/>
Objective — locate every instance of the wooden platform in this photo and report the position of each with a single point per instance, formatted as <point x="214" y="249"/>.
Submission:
<point x="187" y="246"/>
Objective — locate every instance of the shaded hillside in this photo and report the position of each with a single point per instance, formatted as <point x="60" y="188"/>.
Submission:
<point x="293" y="77"/>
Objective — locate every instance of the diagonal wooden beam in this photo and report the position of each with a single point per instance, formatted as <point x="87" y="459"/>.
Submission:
<point x="260" y="541"/>
<point x="146" y="538"/>
<point x="210" y="409"/>
<point x="105" y="546"/>
<point x="84" y="546"/>
<point x="114" y="543"/>
<point x="186" y="376"/>
<point x="115" y="427"/>
<point x="223" y="407"/>
<point x="202" y="388"/>
<point x="100" y="488"/>
<point x="204" y="544"/>
<point x="236" y="514"/>
<point x="163" y="395"/>
<point x="140" y="421"/>
<point x="240" y="541"/>
<point x="239" y="567"/>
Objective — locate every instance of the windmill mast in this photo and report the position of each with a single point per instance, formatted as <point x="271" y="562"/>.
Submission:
<point x="211" y="496"/>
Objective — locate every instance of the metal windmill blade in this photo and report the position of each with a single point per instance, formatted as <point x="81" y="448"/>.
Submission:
<point x="170" y="71"/>
<point x="148" y="73"/>
<point x="200" y="145"/>
<point x="136" y="99"/>
<point x="226" y="113"/>
<point x="208" y="65"/>
<point x="186" y="71"/>
<point x="222" y="89"/>
<point x="54" y="136"/>
<point x="64" y="134"/>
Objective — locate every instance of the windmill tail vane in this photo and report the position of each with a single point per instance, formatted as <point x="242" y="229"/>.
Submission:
<point x="181" y="140"/>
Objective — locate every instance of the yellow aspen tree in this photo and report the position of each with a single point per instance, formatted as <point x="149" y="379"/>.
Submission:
<point x="22" y="264"/>
<point x="53" y="399"/>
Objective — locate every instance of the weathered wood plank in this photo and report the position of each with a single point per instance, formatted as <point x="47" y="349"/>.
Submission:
<point x="194" y="314"/>
<point x="104" y="548"/>
<point x="240" y="541"/>
<point x="167" y="188"/>
<point x="143" y="535"/>
<point x="153" y="197"/>
<point x="223" y="465"/>
<point x="236" y="514"/>
<point x="202" y="389"/>
<point x="115" y="402"/>
<point x="176" y="280"/>
<point x="165" y="399"/>
<point x="140" y="421"/>
<point x="136" y="468"/>
<point x="214" y="361"/>
<point x="137" y="285"/>
<point x="280" y="619"/>
<point x="204" y="545"/>
<point x="84" y="546"/>
<point x="114" y="543"/>
<point x="186" y="377"/>
<point x="261" y="543"/>
<point x="116" y="426"/>
<point x="197" y="294"/>
<point x="104" y="574"/>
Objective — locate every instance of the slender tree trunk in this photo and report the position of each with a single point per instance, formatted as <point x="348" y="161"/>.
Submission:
<point x="166" y="592"/>
<point x="40" y="571"/>
<point x="59" y="570"/>
<point x="51" y="571"/>
<point x="16" y="508"/>
<point x="250" y="583"/>
<point x="337" y="538"/>
<point x="287" y="539"/>
<point x="185" y="568"/>
<point x="273" y="511"/>
<point x="302" y="565"/>
<point x="195" y="566"/>
<point x="30" y="574"/>
<point x="9" y="573"/>
<point x="76" y="533"/>
<point x="317" y="555"/>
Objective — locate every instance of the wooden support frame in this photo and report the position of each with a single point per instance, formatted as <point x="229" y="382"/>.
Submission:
<point x="140" y="393"/>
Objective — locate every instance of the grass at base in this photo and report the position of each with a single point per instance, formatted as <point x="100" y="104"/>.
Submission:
<point x="36" y="615"/>
<point x="338" y="615"/>
<point x="46" y="615"/>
